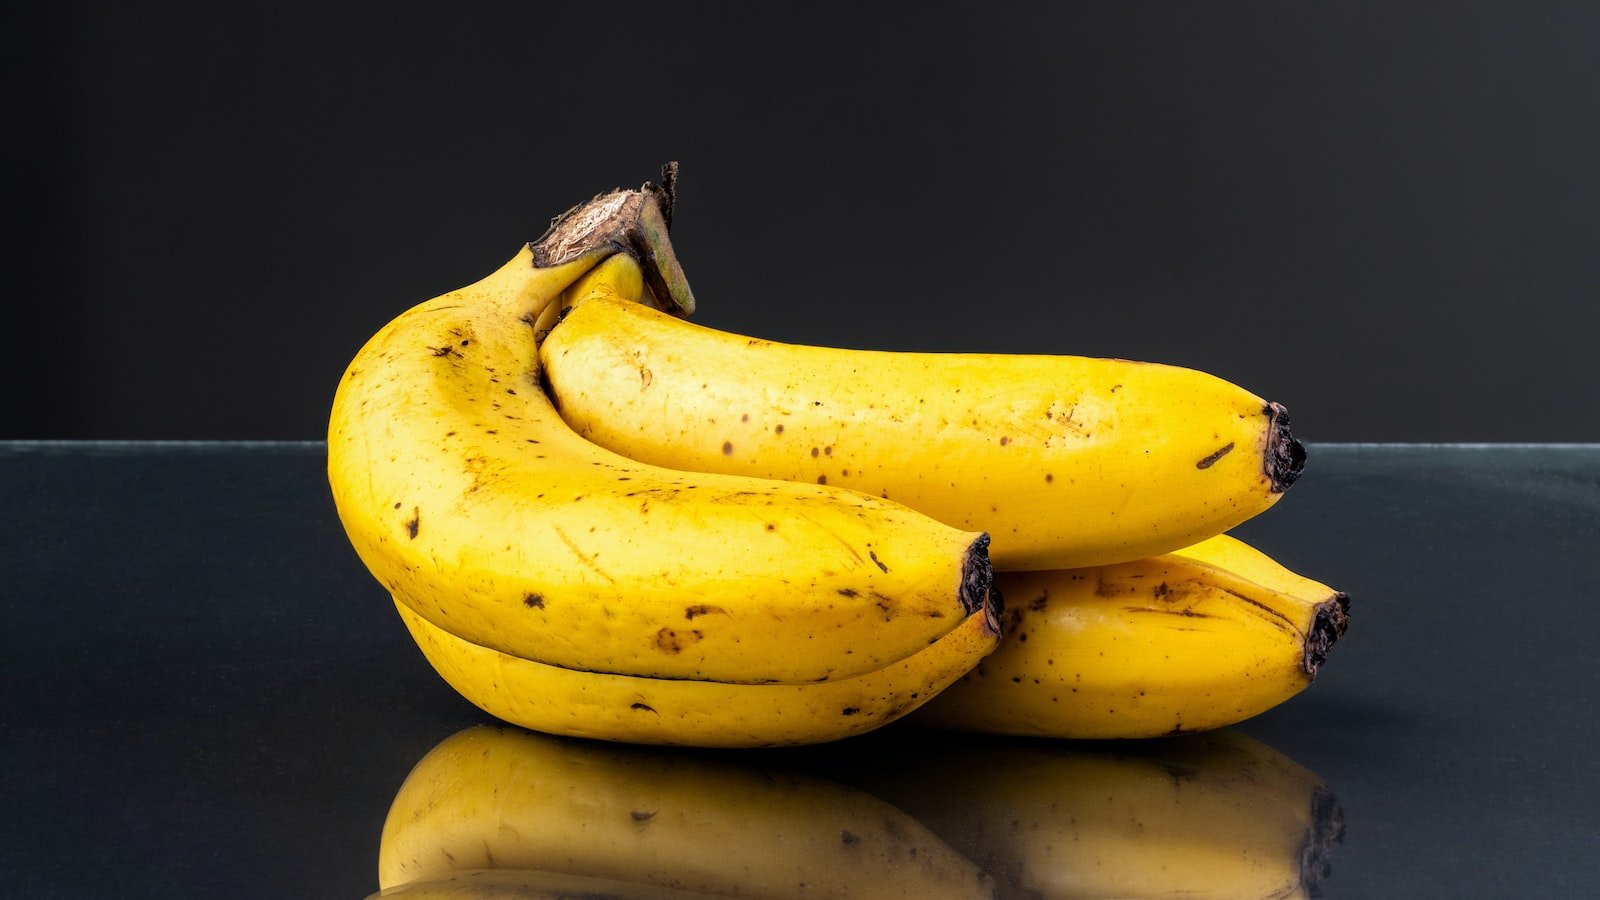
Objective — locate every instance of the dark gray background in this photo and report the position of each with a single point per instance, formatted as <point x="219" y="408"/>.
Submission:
<point x="1383" y="215"/>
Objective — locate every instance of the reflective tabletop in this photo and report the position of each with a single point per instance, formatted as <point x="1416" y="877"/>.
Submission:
<point x="207" y="695"/>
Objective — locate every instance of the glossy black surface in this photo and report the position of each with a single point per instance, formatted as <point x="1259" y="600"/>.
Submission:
<point x="207" y="695"/>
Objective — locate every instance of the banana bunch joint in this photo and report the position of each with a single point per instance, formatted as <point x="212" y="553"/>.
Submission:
<point x="599" y="519"/>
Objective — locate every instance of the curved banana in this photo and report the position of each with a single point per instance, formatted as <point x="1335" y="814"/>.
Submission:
<point x="1215" y="815"/>
<point x="1065" y="461"/>
<point x="468" y="497"/>
<point x="1205" y="637"/>
<point x="501" y="798"/>
<point x="646" y="710"/>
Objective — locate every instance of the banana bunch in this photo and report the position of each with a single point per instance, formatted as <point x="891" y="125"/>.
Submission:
<point x="599" y="519"/>
<point x="567" y="588"/>
<point x="497" y="811"/>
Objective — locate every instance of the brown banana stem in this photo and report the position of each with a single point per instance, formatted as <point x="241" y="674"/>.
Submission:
<point x="624" y="221"/>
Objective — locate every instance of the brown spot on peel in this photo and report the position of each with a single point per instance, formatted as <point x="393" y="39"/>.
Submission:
<point x="669" y="640"/>
<point x="414" y="523"/>
<point x="1211" y="460"/>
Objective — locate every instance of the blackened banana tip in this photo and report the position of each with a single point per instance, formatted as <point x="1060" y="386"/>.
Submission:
<point x="992" y="611"/>
<point x="1329" y="624"/>
<point x="977" y="580"/>
<point x="1286" y="457"/>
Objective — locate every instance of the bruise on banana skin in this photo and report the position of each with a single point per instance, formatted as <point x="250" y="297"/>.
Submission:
<point x="1211" y="460"/>
<point x="672" y="641"/>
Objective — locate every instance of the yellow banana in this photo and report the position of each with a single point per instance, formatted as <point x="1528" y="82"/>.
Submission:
<point x="1205" y="637"/>
<point x="700" y="713"/>
<point x="501" y="798"/>
<point x="1215" y="815"/>
<point x="1065" y="461"/>
<point x="469" y="499"/>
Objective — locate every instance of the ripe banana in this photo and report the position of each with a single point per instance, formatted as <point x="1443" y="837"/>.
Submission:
<point x="1198" y="639"/>
<point x="471" y="501"/>
<point x="1065" y="461"/>
<point x="1218" y="815"/>
<point x="686" y="711"/>
<point x="501" y="798"/>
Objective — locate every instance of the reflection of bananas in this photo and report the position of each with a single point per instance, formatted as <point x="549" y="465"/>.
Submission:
<point x="1205" y="637"/>
<point x="1200" y="816"/>
<point x="501" y="798"/>
<point x="531" y="884"/>
<point x="1065" y="460"/>
<point x="492" y="522"/>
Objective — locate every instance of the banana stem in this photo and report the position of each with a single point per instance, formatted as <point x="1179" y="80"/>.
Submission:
<point x="625" y="221"/>
<point x="662" y="273"/>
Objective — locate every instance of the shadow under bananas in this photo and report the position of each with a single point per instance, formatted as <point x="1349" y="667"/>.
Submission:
<point x="497" y="811"/>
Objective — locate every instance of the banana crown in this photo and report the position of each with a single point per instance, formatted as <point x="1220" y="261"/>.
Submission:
<point x="599" y="519"/>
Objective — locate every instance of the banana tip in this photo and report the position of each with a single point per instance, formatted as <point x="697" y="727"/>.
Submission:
<point x="1286" y="457"/>
<point x="1329" y="624"/>
<point x="977" y="589"/>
